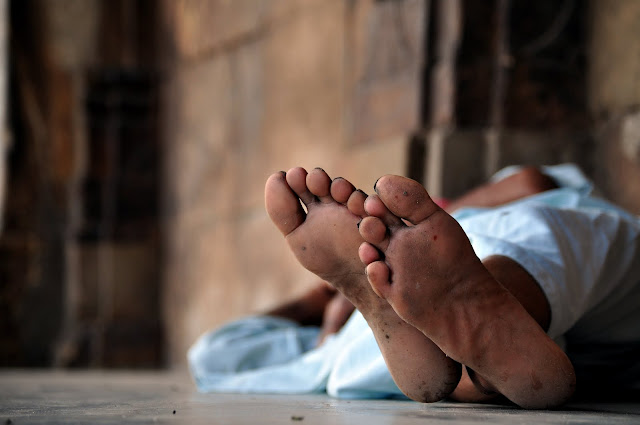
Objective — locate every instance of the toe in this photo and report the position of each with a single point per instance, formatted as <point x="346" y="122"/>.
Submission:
<point x="373" y="230"/>
<point x="405" y="198"/>
<point x="375" y="207"/>
<point x="378" y="274"/>
<point x="297" y="181"/>
<point x="368" y="253"/>
<point x="341" y="190"/>
<point x="355" y="203"/>
<point x="319" y="184"/>
<point x="282" y="204"/>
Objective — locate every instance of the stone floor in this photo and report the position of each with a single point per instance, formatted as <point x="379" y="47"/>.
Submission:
<point x="28" y="397"/>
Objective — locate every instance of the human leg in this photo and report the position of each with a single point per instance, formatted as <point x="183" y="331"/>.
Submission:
<point x="336" y="314"/>
<point x="430" y="275"/>
<point x="525" y="182"/>
<point x="325" y="240"/>
<point x="321" y="306"/>
<point x="308" y="309"/>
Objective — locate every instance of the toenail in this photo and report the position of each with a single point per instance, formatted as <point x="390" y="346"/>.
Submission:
<point x="361" y="191"/>
<point x="284" y="173"/>
<point x="376" y="184"/>
<point x="318" y="168"/>
<point x="338" y="178"/>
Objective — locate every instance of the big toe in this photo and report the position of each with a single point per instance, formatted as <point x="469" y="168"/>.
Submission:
<point x="282" y="204"/>
<point x="405" y="198"/>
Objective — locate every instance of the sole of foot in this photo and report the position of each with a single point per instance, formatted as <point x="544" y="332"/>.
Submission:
<point x="430" y="275"/>
<point x="325" y="239"/>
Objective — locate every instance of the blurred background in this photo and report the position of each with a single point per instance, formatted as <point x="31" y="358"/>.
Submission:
<point x="137" y="136"/>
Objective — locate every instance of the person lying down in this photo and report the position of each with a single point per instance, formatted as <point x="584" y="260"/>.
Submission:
<point x="527" y="287"/>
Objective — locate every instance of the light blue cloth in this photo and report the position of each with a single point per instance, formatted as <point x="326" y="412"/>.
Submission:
<point x="584" y="252"/>
<point x="264" y="354"/>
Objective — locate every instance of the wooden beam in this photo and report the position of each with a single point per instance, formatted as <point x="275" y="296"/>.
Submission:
<point x="501" y="61"/>
<point x="4" y="134"/>
<point x="443" y="90"/>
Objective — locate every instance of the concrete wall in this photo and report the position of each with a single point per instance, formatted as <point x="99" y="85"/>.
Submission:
<point x="255" y="87"/>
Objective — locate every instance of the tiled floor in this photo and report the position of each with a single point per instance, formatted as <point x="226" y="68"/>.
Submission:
<point x="28" y="397"/>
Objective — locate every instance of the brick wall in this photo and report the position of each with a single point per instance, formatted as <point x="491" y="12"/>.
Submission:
<point x="256" y="87"/>
<point x="614" y="98"/>
<point x="445" y="91"/>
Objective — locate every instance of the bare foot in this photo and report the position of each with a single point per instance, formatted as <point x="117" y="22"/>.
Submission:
<point x="325" y="240"/>
<point x="430" y="275"/>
